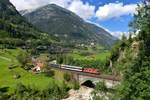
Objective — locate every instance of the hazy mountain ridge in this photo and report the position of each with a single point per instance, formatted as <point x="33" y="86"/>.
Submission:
<point x="26" y="11"/>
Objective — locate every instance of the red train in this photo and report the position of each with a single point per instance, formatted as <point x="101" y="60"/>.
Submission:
<point x="76" y="68"/>
<point x="80" y="69"/>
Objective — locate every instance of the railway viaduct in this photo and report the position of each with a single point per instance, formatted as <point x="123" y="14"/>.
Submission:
<point x="110" y="81"/>
<point x="82" y="77"/>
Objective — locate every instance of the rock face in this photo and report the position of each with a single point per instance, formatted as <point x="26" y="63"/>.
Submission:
<point x="84" y="93"/>
<point x="135" y="48"/>
<point x="66" y="25"/>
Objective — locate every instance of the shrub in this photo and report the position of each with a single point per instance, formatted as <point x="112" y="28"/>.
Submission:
<point x="16" y="76"/>
<point x="67" y="77"/>
<point x="49" y="73"/>
<point x="101" y="87"/>
<point x="12" y="66"/>
<point x="24" y="58"/>
<point x="53" y="92"/>
<point x="3" y="96"/>
<point x="76" y="85"/>
<point x="28" y="66"/>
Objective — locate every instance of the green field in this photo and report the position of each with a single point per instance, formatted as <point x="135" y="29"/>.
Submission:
<point x="8" y="57"/>
<point x="88" y="58"/>
<point x="90" y="55"/>
<point x="101" y="56"/>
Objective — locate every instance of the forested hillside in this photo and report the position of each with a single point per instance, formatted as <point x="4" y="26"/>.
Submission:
<point x="14" y="29"/>
<point x="136" y="80"/>
<point x="130" y="59"/>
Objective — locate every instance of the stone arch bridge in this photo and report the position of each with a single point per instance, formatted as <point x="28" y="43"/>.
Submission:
<point x="83" y="77"/>
<point x="110" y="81"/>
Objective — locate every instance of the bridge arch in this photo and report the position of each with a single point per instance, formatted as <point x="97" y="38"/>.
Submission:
<point x="88" y="83"/>
<point x="83" y="79"/>
<point x="108" y="83"/>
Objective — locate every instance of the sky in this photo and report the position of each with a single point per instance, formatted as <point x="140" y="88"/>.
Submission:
<point x="112" y="15"/>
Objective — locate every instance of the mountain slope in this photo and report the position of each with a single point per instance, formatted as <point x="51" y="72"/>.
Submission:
<point x="13" y="23"/>
<point x="68" y="26"/>
<point x="15" y="30"/>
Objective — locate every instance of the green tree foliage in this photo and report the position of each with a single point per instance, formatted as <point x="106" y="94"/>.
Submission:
<point x="16" y="31"/>
<point x="3" y="94"/>
<point x="24" y="58"/>
<point x="119" y="47"/>
<point x="76" y="85"/>
<point x="48" y="72"/>
<point x="67" y="59"/>
<point x="54" y="92"/>
<point x="60" y="58"/>
<point x="141" y="23"/>
<point x="135" y="85"/>
<point x="100" y="88"/>
<point x="13" y="23"/>
<point x="67" y="77"/>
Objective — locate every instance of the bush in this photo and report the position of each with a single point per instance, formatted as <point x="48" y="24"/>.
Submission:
<point x="16" y="76"/>
<point x="23" y="58"/>
<point x="12" y="66"/>
<point x="54" y="92"/>
<point x="28" y="66"/>
<point x="3" y="96"/>
<point x="3" y="93"/>
<point x="76" y="85"/>
<point x="49" y="73"/>
<point x="67" y="77"/>
<point x="101" y="87"/>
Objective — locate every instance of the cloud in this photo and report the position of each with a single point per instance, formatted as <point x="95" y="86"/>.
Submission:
<point x="28" y="4"/>
<point x="114" y="10"/>
<point x="85" y="11"/>
<point x="31" y="4"/>
<point x="119" y="34"/>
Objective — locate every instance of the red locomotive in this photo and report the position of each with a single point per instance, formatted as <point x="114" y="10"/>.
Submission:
<point x="90" y="70"/>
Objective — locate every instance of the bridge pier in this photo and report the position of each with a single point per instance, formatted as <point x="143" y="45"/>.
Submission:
<point x="76" y="77"/>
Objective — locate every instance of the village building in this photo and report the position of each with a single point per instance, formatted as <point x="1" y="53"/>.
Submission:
<point x="38" y="65"/>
